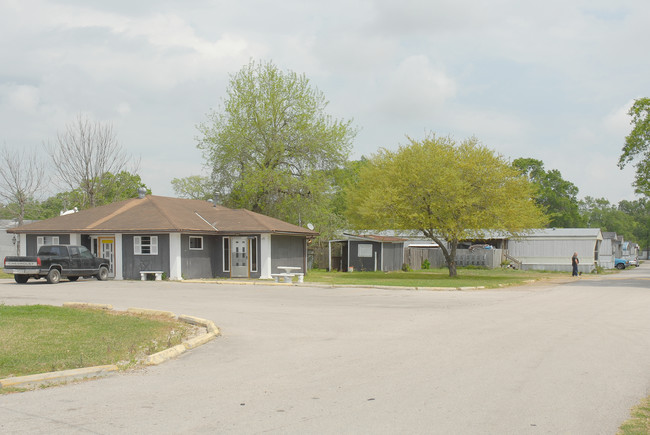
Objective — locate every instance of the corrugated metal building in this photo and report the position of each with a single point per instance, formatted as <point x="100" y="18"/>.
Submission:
<point x="551" y="249"/>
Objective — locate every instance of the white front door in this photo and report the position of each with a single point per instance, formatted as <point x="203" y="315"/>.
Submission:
<point x="239" y="257"/>
<point x="107" y="250"/>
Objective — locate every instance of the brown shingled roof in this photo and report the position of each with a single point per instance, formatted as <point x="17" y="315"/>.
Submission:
<point x="161" y="214"/>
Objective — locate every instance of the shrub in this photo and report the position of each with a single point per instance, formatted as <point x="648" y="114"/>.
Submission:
<point x="426" y="264"/>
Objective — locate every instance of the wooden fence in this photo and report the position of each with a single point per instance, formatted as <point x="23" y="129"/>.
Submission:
<point x="490" y="258"/>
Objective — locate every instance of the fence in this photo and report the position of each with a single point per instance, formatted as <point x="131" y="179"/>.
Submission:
<point x="490" y="258"/>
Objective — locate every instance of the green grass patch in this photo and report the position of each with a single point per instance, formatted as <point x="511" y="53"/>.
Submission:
<point x="467" y="277"/>
<point x="38" y="338"/>
<point x="639" y="423"/>
<point x="6" y="275"/>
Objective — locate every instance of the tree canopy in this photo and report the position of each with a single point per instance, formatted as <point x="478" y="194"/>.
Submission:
<point x="637" y="145"/>
<point x="557" y="196"/>
<point x="193" y="187"/>
<point x="448" y="191"/>
<point x="272" y="148"/>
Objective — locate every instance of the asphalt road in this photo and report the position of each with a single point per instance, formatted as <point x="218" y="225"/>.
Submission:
<point x="544" y="359"/>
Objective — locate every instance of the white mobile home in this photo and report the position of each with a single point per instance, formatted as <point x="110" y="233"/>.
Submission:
<point x="552" y="248"/>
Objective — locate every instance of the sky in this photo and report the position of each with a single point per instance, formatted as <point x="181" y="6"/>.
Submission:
<point x="549" y="80"/>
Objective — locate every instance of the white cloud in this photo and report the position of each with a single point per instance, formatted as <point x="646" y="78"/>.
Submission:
<point x="416" y="89"/>
<point x="23" y="98"/>
<point x="617" y="122"/>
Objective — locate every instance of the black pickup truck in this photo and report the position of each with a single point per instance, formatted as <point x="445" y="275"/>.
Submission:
<point x="55" y="261"/>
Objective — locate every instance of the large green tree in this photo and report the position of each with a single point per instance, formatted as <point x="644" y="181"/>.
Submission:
<point x="640" y="212"/>
<point x="448" y="191"/>
<point x="600" y="213"/>
<point x="193" y="187"/>
<point x="272" y="147"/>
<point x="557" y="196"/>
<point x="637" y="145"/>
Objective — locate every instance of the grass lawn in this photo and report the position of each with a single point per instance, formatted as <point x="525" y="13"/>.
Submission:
<point x="38" y="338"/>
<point x="639" y="424"/>
<point x="467" y="277"/>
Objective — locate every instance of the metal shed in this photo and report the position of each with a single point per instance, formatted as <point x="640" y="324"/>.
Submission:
<point x="367" y="253"/>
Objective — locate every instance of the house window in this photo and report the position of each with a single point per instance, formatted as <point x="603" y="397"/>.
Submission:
<point x="145" y="245"/>
<point x="226" y="254"/>
<point x="252" y="252"/>
<point x="46" y="240"/>
<point x="365" y="250"/>
<point x="196" y="243"/>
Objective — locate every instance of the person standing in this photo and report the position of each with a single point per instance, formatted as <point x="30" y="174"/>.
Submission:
<point x="574" y="263"/>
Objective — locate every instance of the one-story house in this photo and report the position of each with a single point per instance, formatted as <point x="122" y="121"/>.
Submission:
<point x="367" y="252"/>
<point x="610" y="249"/>
<point x="181" y="238"/>
<point x="551" y="249"/>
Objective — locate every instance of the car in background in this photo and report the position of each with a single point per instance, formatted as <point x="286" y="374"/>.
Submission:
<point x="633" y="262"/>
<point x="621" y="263"/>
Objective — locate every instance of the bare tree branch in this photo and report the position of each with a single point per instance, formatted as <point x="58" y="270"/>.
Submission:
<point x="21" y="176"/>
<point x="85" y="153"/>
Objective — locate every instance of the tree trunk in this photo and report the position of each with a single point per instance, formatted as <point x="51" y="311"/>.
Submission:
<point x="451" y="259"/>
<point x="449" y="254"/>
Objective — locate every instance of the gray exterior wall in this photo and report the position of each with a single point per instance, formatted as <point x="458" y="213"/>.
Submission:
<point x="199" y="263"/>
<point x="287" y="251"/>
<point x="64" y="239"/>
<point x="365" y="264"/>
<point x="393" y="256"/>
<point x="132" y="264"/>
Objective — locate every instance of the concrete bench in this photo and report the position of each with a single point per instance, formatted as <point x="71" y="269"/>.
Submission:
<point x="288" y="277"/>
<point x="145" y="273"/>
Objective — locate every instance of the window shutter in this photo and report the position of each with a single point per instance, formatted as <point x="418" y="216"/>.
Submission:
<point x="137" y="249"/>
<point x="154" y="245"/>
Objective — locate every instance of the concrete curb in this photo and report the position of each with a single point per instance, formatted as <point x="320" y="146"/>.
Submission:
<point x="147" y="312"/>
<point x="57" y="377"/>
<point x="99" y="371"/>
<point x="321" y="285"/>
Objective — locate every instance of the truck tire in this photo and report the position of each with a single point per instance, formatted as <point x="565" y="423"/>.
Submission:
<point x="21" y="279"/>
<point x="102" y="275"/>
<point x="54" y="276"/>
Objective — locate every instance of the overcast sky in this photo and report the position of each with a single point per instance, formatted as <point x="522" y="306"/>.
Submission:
<point x="550" y="80"/>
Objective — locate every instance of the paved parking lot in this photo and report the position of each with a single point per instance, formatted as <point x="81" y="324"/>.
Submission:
<point x="567" y="358"/>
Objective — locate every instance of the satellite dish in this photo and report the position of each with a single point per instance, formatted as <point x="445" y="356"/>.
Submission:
<point x="310" y="226"/>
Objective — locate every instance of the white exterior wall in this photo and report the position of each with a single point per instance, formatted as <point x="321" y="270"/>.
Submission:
<point x="117" y="267"/>
<point x="606" y="254"/>
<point x="175" y="265"/>
<point x="548" y="251"/>
<point x="265" y="256"/>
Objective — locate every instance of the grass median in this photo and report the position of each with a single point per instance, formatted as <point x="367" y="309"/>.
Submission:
<point x="39" y="338"/>
<point x="467" y="277"/>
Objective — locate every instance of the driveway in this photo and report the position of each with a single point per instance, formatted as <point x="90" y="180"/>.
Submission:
<point x="570" y="358"/>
